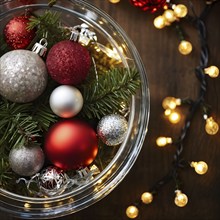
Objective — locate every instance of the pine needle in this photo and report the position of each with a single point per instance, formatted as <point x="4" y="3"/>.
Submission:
<point x="106" y="95"/>
<point x="48" y="26"/>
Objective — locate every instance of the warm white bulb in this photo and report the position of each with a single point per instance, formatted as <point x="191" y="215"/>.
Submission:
<point x="169" y="15"/>
<point x="132" y="211"/>
<point x="185" y="47"/>
<point x="159" y="22"/>
<point x="171" y="102"/>
<point x="163" y="141"/>
<point x="114" y="1"/>
<point x="174" y="117"/>
<point x="211" y="126"/>
<point x="180" y="10"/>
<point x="200" y="167"/>
<point x="147" y="198"/>
<point x="212" y="71"/>
<point x="181" y="199"/>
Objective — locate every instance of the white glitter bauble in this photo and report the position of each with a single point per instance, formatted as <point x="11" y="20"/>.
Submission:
<point x="66" y="101"/>
<point x="23" y="76"/>
<point x="26" y="161"/>
<point x="112" y="129"/>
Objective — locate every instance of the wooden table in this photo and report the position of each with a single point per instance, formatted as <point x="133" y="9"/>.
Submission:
<point x="169" y="74"/>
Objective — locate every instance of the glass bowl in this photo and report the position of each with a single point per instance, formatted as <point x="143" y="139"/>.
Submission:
<point x="75" y="12"/>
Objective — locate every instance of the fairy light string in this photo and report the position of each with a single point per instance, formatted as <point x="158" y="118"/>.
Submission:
<point x="170" y="103"/>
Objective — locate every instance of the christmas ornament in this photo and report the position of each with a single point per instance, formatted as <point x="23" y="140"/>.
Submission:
<point x="149" y="5"/>
<point x="17" y="36"/>
<point x="71" y="144"/>
<point x="26" y="160"/>
<point x="23" y="76"/>
<point x="66" y="101"/>
<point x="82" y="34"/>
<point x="112" y="129"/>
<point x="68" y="62"/>
<point x="52" y="181"/>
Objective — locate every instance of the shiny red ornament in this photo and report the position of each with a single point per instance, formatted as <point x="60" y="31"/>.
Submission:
<point x="68" y="62"/>
<point x="71" y="144"/>
<point x="149" y="5"/>
<point x="16" y="34"/>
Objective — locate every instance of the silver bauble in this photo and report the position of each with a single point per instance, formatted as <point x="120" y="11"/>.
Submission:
<point x="112" y="129"/>
<point x="26" y="161"/>
<point x="66" y="101"/>
<point x="53" y="181"/>
<point x="23" y="76"/>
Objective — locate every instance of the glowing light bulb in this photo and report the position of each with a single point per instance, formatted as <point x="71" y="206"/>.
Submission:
<point x="174" y="117"/>
<point x="212" y="71"/>
<point x="171" y="102"/>
<point x="185" y="47"/>
<point x="163" y="141"/>
<point x="147" y="198"/>
<point x="181" y="199"/>
<point x="211" y="126"/>
<point x="159" y="22"/>
<point x="132" y="211"/>
<point x="180" y="10"/>
<point x="200" y="167"/>
<point x="114" y="1"/>
<point x="169" y="15"/>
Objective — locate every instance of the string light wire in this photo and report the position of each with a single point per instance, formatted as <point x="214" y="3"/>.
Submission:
<point x="178" y="160"/>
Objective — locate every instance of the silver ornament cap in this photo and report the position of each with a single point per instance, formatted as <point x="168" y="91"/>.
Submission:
<point x="26" y="161"/>
<point x="23" y="76"/>
<point x="112" y="129"/>
<point x="66" y="101"/>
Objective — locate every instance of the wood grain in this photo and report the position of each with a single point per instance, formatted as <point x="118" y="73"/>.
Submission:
<point x="169" y="74"/>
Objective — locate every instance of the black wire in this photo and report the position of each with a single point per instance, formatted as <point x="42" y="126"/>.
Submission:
<point x="199" y="72"/>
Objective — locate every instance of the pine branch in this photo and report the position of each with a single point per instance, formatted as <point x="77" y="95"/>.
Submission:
<point x="21" y="123"/>
<point x="51" y="3"/>
<point x="106" y="95"/>
<point x="49" y="26"/>
<point x="5" y="172"/>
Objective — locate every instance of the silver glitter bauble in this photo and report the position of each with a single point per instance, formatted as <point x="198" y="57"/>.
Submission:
<point x="23" y="76"/>
<point x="26" y="161"/>
<point x="53" y="181"/>
<point x="66" y="101"/>
<point x="112" y="129"/>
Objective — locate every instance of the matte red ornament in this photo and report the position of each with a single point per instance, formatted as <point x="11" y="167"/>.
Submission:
<point x="68" y="62"/>
<point x="16" y="34"/>
<point x="71" y="144"/>
<point x="149" y="5"/>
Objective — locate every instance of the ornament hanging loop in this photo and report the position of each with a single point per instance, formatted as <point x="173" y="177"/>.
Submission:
<point x="40" y="48"/>
<point x="82" y="34"/>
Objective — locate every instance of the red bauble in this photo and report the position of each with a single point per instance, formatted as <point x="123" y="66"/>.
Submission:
<point x="71" y="144"/>
<point x="16" y="34"/>
<point x="27" y="2"/>
<point x="149" y="5"/>
<point x="68" y="62"/>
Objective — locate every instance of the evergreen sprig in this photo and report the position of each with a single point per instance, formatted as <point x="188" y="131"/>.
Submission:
<point x="5" y="172"/>
<point x="21" y="123"/>
<point x="106" y="95"/>
<point x="48" y="26"/>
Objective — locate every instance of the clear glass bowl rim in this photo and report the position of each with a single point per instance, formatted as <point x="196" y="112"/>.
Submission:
<point x="115" y="178"/>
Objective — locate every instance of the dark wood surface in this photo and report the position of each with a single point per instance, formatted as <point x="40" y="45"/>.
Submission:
<point x="169" y="74"/>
